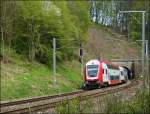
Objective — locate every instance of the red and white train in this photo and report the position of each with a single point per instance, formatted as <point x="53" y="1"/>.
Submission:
<point x="103" y="73"/>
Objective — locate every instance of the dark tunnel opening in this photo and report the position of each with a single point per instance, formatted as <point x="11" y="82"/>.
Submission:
<point x="130" y="73"/>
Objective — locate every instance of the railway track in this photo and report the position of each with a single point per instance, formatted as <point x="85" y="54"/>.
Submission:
<point x="40" y="103"/>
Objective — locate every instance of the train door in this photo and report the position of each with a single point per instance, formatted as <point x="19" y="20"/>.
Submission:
<point x="122" y="78"/>
<point x="105" y="73"/>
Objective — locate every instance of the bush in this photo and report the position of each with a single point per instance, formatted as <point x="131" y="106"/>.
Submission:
<point x="139" y="104"/>
<point x="44" y="55"/>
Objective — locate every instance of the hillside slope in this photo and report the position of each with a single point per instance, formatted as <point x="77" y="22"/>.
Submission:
<point x="22" y="79"/>
<point x="106" y="44"/>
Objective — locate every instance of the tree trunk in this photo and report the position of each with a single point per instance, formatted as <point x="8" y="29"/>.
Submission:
<point x="96" y="20"/>
<point x="2" y="49"/>
<point x="31" y="44"/>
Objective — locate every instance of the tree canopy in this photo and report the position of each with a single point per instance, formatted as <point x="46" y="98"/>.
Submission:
<point x="29" y="27"/>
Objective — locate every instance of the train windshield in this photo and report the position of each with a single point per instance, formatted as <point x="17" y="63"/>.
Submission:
<point x="92" y="70"/>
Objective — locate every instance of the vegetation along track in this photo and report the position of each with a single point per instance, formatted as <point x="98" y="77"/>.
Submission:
<point x="40" y="103"/>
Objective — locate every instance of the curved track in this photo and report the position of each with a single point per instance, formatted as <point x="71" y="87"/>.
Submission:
<point x="38" y="103"/>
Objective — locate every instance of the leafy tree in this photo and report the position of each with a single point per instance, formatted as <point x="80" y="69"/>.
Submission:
<point x="30" y="27"/>
<point x="7" y="21"/>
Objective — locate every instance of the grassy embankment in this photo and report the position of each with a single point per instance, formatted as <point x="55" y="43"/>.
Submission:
<point x="22" y="79"/>
<point x="108" y="104"/>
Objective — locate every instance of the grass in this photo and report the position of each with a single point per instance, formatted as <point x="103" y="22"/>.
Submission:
<point x="22" y="79"/>
<point x="75" y="106"/>
<point x="139" y="104"/>
<point x="108" y="104"/>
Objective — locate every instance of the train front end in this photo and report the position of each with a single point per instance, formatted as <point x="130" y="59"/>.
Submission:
<point x="91" y="74"/>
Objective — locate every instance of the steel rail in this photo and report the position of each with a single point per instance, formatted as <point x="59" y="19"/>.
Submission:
<point x="34" y="99"/>
<point x="56" y="99"/>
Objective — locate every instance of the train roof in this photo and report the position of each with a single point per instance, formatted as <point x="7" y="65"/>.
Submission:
<point x="110" y="63"/>
<point x="102" y="61"/>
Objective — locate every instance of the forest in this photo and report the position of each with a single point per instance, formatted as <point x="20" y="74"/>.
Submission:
<point x="28" y="27"/>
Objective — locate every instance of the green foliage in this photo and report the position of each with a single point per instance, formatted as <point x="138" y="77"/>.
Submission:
<point x="20" y="45"/>
<point x="106" y="13"/>
<point x="43" y="55"/>
<point x="79" y="10"/>
<point x="22" y="79"/>
<point x="135" y="35"/>
<point x="107" y="104"/>
<point x="75" y="105"/>
<point x="38" y="22"/>
<point x="139" y="104"/>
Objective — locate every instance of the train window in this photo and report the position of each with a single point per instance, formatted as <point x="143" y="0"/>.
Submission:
<point x="109" y="66"/>
<point x="106" y="71"/>
<point x="103" y="71"/>
<point x="112" y="67"/>
<point x="92" y="70"/>
<point x="114" y="77"/>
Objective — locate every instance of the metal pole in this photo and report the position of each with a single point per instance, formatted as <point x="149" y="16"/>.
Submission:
<point x="131" y="11"/>
<point x="143" y="37"/>
<point x="147" y="63"/>
<point x="54" y="60"/>
<point x="143" y="44"/>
